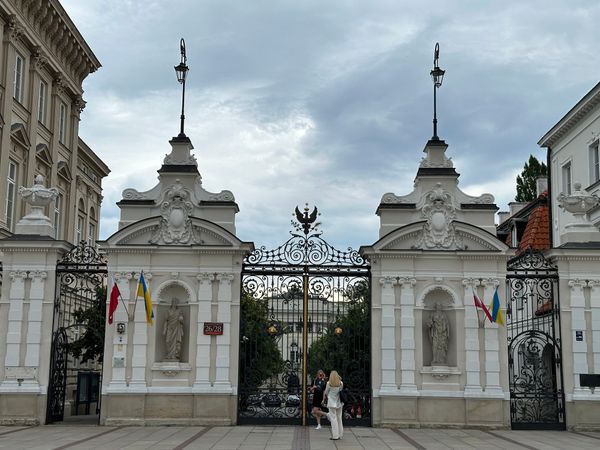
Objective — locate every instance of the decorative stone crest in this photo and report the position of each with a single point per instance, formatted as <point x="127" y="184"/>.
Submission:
<point x="39" y="59"/>
<point x="176" y="226"/>
<point x="438" y="231"/>
<point x="578" y="203"/>
<point x="14" y="29"/>
<point x="79" y="104"/>
<point x="444" y="163"/>
<point x="60" y="84"/>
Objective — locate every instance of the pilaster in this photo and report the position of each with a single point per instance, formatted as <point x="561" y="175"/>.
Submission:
<point x="202" y="382"/>
<point x="492" y="347"/>
<point x="595" y="307"/>
<point x="578" y="323"/>
<point x="140" y="341"/>
<point x="388" y="335"/>
<point x="34" y="328"/>
<point x="407" y="335"/>
<point x="15" y="318"/>
<point x="472" y="345"/>
<point x="222" y="380"/>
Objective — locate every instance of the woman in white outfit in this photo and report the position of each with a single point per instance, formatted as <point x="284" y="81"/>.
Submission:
<point x="332" y="392"/>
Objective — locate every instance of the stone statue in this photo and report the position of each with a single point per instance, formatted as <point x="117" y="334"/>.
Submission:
<point x="439" y="335"/>
<point x="173" y="332"/>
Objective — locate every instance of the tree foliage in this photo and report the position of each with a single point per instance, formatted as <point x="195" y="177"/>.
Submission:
<point x="348" y="352"/>
<point x="260" y="357"/>
<point x="90" y="345"/>
<point x="526" y="182"/>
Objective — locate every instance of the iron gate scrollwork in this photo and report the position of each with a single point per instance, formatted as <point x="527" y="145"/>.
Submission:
<point x="305" y="306"/>
<point x="81" y="277"/>
<point x="534" y="344"/>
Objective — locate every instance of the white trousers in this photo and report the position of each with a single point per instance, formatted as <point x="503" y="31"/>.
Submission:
<point x="335" y="418"/>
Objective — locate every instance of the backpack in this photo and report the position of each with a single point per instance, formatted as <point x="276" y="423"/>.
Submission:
<point x="344" y="397"/>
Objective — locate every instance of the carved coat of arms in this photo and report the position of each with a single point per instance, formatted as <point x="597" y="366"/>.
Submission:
<point x="175" y="226"/>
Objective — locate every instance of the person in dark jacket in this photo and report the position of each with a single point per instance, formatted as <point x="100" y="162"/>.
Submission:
<point x="318" y="387"/>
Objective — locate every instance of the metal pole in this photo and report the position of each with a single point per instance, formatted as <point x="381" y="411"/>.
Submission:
<point x="182" y="108"/>
<point x="435" y="136"/>
<point x="304" y="345"/>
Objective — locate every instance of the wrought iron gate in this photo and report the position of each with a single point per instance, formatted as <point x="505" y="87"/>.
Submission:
<point x="534" y="345"/>
<point x="305" y="306"/>
<point x="80" y="286"/>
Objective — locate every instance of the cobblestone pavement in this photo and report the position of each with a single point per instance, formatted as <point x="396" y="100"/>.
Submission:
<point x="79" y="437"/>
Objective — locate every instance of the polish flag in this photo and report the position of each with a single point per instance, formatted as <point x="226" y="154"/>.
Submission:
<point x="481" y="305"/>
<point x="114" y="301"/>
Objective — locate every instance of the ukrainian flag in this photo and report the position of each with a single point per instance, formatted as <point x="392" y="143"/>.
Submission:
<point x="495" y="309"/>
<point x="142" y="291"/>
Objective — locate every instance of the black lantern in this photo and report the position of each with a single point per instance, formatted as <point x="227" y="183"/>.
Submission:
<point x="181" y="71"/>
<point x="437" y="75"/>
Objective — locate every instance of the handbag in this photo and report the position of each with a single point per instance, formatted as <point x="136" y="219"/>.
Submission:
<point x="344" y="396"/>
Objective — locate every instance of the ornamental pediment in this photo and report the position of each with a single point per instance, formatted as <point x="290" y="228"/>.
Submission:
<point x="459" y="236"/>
<point x="174" y="229"/>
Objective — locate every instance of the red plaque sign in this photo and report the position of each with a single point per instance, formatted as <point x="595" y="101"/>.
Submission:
<point x="213" y="328"/>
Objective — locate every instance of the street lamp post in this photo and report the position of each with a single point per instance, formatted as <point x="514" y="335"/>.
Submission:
<point x="181" y="70"/>
<point x="437" y="75"/>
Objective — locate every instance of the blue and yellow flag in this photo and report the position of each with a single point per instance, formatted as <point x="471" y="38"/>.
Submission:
<point x="142" y="291"/>
<point x="495" y="309"/>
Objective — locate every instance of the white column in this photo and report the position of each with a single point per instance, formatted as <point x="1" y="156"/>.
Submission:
<point x="119" y="361"/>
<point x="202" y="383"/>
<point x="407" y="335"/>
<point x="492" y="348"/>
<point x="222" y="380"/>
<point x="472" y="364"/>
<point x="388" y="335"/>
<point x="595" y="306"/>
<point x="34" y="328"/>
<point x="140" y="341"/>
<point x="580" y="364"/>
<point x="15" y="318"/>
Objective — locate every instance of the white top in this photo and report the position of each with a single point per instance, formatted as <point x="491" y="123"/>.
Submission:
<point x="333" y="395"/>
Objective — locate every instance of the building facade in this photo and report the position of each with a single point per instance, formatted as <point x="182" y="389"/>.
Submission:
<point x="43" y="62"/>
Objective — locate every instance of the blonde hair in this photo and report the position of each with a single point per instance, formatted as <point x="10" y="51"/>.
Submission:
<point x="334" y="379"/>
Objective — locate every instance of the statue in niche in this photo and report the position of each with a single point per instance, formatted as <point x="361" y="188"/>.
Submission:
<point x="173" y="332"/>
<point x="439" y="335"/>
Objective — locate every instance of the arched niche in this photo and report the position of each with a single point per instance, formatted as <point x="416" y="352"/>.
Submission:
<point x="446" y="300"/>
<point x="166" y="292"/>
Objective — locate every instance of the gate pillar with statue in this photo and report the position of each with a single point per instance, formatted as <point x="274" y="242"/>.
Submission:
<point x="182" y="367"/>
<point x="29" y="260"/>
<point x="433" y="362"/>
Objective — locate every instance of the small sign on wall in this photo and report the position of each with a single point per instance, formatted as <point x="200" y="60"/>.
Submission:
<point x="579" y="335"/>
<point x="213" y="328"/>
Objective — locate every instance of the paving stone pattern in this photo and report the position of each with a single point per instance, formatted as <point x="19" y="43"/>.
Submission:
<point x="80" y="437"/>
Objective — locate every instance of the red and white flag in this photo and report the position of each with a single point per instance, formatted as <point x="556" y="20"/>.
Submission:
<point x="114" y="301"/>
<point x="479" y="304"/>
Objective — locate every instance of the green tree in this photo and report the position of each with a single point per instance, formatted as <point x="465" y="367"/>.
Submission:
<point x="90" y="345"/>
<point x="348" y="350"/>
<point x="260" y="357"/>
<point x="526" y="182"/>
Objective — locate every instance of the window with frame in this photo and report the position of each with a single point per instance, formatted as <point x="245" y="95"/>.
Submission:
<point x="19" y="74"/>
<point x="79" y="230"/>
<point x="91" y="234"/>
<point x="42" y="102"/>
<point x="62" y="123"/>
<point x="566" y="179"/>
<point x="11" y="194"/>
<point x="57" y="215"/>
<point x="594" y="163"/>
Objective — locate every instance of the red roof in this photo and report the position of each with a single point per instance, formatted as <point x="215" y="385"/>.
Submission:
<point x="537" y="232"/>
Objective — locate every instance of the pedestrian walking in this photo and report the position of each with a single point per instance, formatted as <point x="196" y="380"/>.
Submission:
<point x="318" y="388"/>
<point x="335" y="405"/>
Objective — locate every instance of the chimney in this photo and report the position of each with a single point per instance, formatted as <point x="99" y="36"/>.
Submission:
<point x="541" y="184"/>
<point x="515" y="207"/>
<point x="502" y="216"/>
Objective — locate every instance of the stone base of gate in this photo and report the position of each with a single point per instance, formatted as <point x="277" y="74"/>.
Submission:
<point x="400" y="411"/>
<point x="583" y="415"/>
<point x="22" y="409"/>
<point x="168" y="409"/>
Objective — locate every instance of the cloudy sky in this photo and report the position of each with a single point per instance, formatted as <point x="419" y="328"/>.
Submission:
<point x="329" y="102"/>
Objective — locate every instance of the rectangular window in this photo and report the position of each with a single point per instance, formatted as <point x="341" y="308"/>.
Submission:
<point x="79" y="230"/>
<point x="42" y="102"/>
<point x="62" y="123"/>
<point x="10" y="194"/>
<point x="91" y="234"/>
<point x="57" y="216"/>
<point x="19" y="71"/>
<point x="566" y="179"/>
<point x="594" y="163"/>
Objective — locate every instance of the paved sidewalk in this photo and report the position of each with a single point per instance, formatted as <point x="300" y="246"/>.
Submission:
<point x="81" y="437"/>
